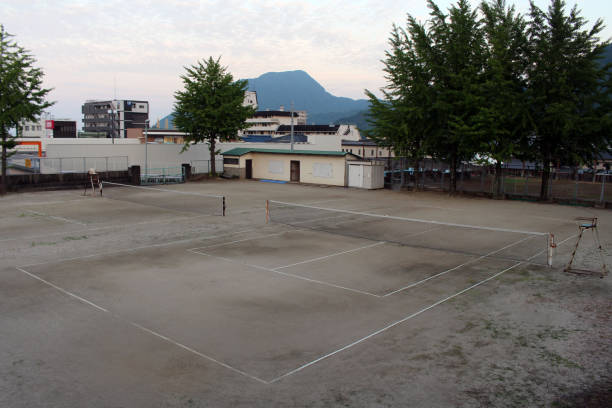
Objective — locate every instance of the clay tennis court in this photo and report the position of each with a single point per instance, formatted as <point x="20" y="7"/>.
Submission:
<point x="153" y="298"/>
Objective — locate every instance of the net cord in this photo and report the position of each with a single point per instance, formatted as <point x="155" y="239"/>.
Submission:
<point x="163" y="189"/>
<point x="392" y="217"/>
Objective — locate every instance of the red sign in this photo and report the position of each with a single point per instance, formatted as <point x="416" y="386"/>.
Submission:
<point x="49" y="124"/>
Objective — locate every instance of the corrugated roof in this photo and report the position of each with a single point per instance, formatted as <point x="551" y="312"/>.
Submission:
<point x="240" y="151"/>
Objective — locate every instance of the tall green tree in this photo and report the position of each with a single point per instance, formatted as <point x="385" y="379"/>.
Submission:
<point x="456" y="58"/>
<point x="22" y="96"/>
<point x="502" y="106"/>
<point x="210" y="107"/>
<point x="430" y="100"/>
<point x="568" y="89"/>
<point x="403" y="118"/>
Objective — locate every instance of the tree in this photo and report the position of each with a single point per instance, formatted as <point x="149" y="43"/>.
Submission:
<point x="21" y="94"/>
<point x="210" y="107"/>
<point x="403" y="118"/>
<point x="456" y="58"/>
<point x="430" y="100"/>
<point x="501" y="117"/>
<point x="568" y="89"/>
<point x="433" y="73"/>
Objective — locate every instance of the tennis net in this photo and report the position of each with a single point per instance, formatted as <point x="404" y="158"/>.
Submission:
<point x="473" y="240"/>
<point x="172" y="200"/>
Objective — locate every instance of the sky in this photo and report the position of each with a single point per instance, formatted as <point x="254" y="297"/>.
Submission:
<point x="138" y="49"/>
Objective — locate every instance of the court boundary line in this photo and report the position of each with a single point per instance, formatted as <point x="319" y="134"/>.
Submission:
<point x="457" y="267"/>
<point x="161" y="244"/>
<point x="117" y="226"/>
<point x="55" y="217"/>
<point x="238" y="240"/>
<point x="290" y="275"/>
<point x="141" y="327"/>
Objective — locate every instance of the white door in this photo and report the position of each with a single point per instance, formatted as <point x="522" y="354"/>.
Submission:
<point x="355" y="176"/>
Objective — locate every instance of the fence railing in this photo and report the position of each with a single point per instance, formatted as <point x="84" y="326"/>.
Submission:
<point x="577" y="185"/>
<point x="52" y="165"/>
<point x="163" y="175"/>
<point x="204" y="166"/>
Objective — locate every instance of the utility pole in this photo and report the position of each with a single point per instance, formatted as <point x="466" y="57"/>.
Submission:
<point x="291" y="125"/>
<point x="146" y="143"/>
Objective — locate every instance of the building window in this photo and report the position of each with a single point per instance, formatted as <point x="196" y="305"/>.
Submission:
<point x="372" y="152"/>
<point x="38" y="127"/>
<point x="231" y="160"/>
<point x="27" y="128"/>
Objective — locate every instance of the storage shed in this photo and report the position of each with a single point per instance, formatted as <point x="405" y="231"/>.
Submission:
<point x="305" y="166"/>
<point x="366" y="174"/>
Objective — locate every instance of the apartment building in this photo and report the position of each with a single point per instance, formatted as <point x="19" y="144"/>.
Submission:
<point x="114" y="117"/>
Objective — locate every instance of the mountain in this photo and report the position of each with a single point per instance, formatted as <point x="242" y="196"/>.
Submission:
<point x="275" y="89"/>
<point x="358" y="119"/>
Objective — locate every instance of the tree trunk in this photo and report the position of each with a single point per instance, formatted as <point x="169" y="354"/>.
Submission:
<point x="3" y="185"/>
<point x="416" y="174"/>
<point x="545" y="181"/>
<point x="498" y="180"/>
<point x="452" y="189"/>
<point x="213" y="170"/>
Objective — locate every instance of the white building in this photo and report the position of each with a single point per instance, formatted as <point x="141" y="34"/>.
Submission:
<point x="35" y="129"/>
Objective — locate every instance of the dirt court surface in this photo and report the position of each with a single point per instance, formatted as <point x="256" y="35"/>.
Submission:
<point x="153" y="301"/>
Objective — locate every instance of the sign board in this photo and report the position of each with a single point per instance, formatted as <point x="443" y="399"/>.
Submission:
<point x="49" y="124"/>
<point x="28" y="163"/>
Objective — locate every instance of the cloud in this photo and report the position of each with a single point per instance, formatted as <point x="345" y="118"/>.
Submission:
<point x="85" y="47"/>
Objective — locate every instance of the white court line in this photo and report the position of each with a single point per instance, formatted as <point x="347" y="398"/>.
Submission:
<point x="197" y="353"/>
<point x="558" y="243"/>
<point x="290" y="275"/>
<point x="239" y="240"/>
<point x="57" y="218"/>
<point x="455" y="268"/>
<point x="330" y="256"/>
<point x="154" y="333"/>
<point x="64" y="291"/>
<point x="118" y="226"/>
<point x="392" y="217"/>
<point x="377" y="332"/>
<point x="137" y="248"/>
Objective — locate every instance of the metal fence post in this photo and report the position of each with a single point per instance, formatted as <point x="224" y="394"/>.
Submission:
<point x="576" y="186"/>
<point x="527" y="183"/>
<point x="550" y="185"/>
<point x="603" y="187"/>
<point x="482" y="177"/>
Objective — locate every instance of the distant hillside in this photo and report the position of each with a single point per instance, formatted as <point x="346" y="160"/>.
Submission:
<point x="358" y="119"/>
<point x="280" y="88"/>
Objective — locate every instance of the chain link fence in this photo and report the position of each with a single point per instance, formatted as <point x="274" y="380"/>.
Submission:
<point x="59" y="165"/>
<point x="574" y="185"/>
<point x="204" y="166"/>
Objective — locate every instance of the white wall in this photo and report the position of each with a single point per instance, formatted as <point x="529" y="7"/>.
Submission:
<point x="160" y="155"/>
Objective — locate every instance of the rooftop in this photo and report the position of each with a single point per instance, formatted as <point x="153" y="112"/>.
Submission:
<point x="240" y="151"/>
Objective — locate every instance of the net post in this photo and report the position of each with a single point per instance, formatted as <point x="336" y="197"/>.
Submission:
<point x="267" y="211"/>
<point x="223" y="211"/>
<point x="551" y="247"/>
